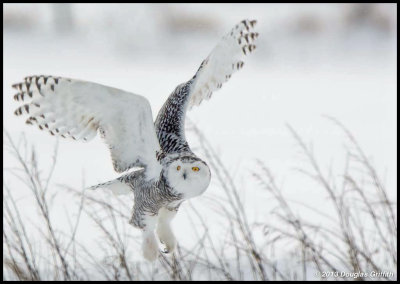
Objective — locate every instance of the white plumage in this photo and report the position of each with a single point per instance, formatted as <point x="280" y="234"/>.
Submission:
<point x="77" y="109"/>
<point x="170" y="172"/>
<point x="224" y="60"/>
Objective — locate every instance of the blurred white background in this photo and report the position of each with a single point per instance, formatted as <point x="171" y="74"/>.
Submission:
<point x="311" y="60"/>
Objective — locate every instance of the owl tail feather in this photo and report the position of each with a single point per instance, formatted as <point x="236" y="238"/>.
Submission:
<point x="116" y="187"/>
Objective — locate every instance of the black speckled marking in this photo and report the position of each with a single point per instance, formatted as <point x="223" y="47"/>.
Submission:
<point x="170" y="122"/>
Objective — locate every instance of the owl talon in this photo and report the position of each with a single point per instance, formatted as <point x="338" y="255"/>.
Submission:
<point x="134" y="139"/>
<point x="166" y="237"/>
<point x="169" y="242"/>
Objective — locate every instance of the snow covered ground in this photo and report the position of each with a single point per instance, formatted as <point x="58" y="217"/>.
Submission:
<point x="302" y="70"/>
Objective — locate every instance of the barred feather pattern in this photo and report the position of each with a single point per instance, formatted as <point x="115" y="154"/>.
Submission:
<point x="149" y="196"/>
<point x="224" y="60"/>
<point x="77" y="109"/>
<point x="170" y="122"/>
<point x="32" y="92"/>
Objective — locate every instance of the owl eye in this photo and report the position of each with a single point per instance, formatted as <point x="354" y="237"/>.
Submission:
<point x="195" y="169"/>
<point x="178" y="168"/>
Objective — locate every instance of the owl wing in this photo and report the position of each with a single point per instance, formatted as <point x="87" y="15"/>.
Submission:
<point x="77" y="109"/>
<point x="224" y="60"/>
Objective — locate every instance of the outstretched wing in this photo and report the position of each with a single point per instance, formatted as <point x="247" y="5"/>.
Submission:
<point x="224" y="60"/>
<point x="121" y="185"/>
<point x="77" y="109"/>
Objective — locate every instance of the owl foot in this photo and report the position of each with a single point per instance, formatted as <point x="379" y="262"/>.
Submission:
<point x="150" y="247"/>
<point x="167" y="238"/>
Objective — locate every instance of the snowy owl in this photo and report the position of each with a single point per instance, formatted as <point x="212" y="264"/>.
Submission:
<point x="169" y="172"/>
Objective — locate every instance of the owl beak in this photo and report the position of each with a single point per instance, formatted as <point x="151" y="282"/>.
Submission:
<point x="184" y="175"/>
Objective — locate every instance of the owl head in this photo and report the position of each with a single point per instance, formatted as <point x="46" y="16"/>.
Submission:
<point x="188" y="175"/>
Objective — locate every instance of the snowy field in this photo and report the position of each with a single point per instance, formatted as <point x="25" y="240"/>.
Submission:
<point x="311" y="61"/>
